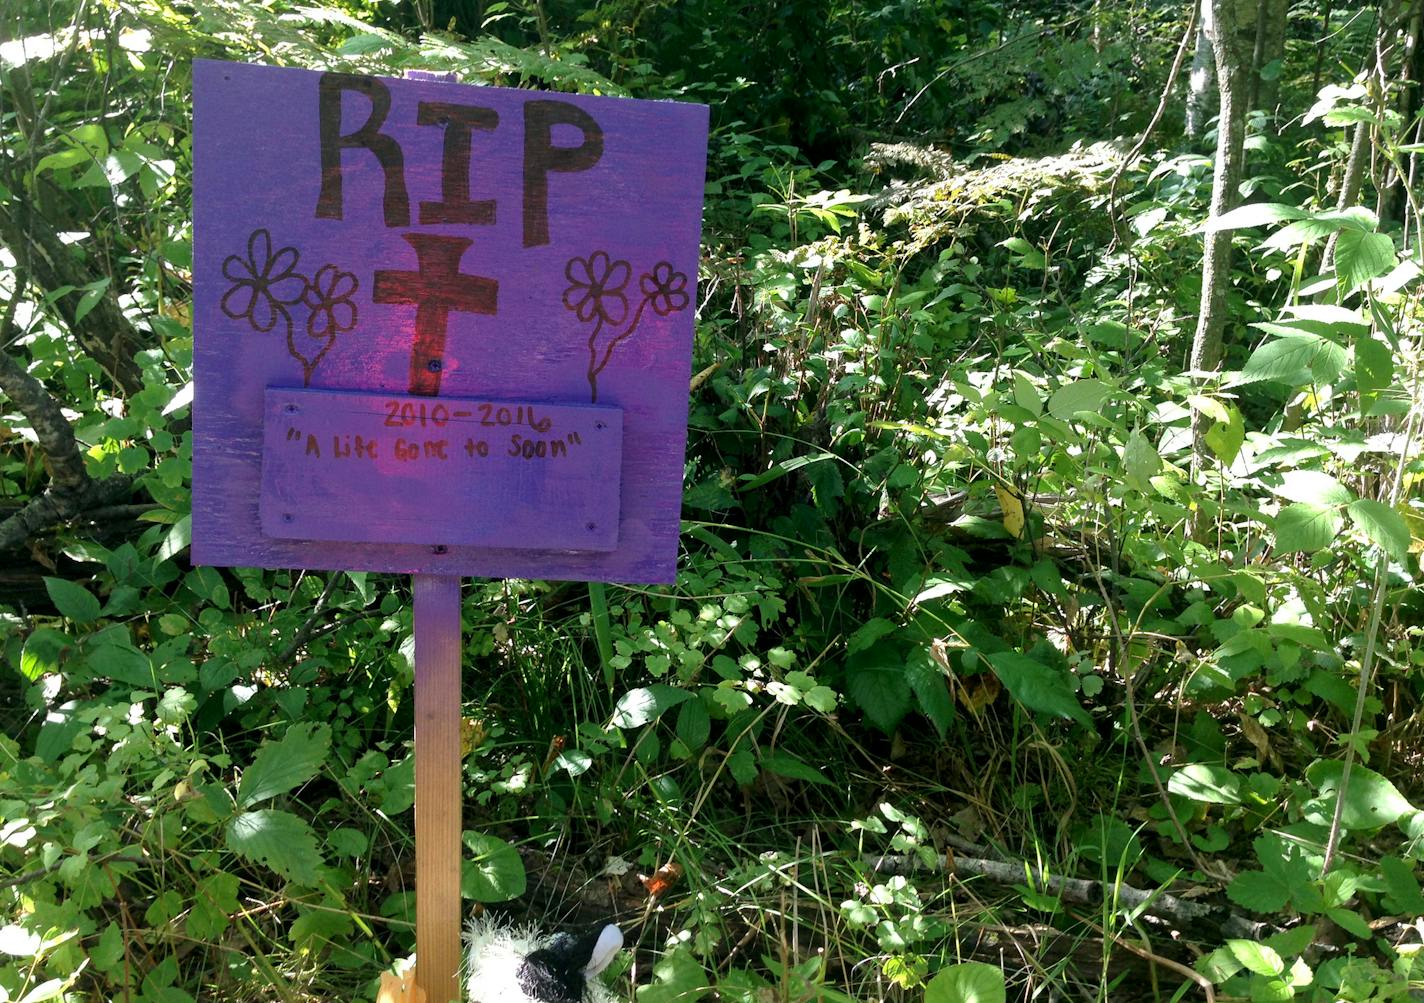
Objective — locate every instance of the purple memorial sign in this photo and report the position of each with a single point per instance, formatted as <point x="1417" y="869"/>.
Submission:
<point x="408" y="239"/>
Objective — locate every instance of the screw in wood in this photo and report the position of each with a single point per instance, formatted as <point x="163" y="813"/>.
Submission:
<point x="287" y="517"/>
<point x="590" y="526"/>
<point x="599" y="425"/>
<point x="435" y="365"/>
<point x="291" y="409"/>
<point x="439" y="548"/>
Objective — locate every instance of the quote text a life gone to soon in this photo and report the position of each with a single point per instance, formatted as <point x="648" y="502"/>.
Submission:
<point x="348" y="466"/>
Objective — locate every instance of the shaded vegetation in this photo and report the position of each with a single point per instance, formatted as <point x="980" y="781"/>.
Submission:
<point x="984" y="675"/>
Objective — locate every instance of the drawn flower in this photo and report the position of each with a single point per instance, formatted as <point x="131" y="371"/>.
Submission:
<point x="263" y="284"/>
<point x="328" y="296"/>
<point x="596" y="288"/>
<point x="664" y="288"/>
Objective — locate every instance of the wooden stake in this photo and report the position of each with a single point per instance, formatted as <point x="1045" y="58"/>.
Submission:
<point x="437" y="787"/>
<point x="399" y="989"/>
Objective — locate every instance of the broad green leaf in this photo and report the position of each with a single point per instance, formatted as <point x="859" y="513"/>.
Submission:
<point x="348" y="842"/>
<point x="927" y="679"/>
<point x="92" y="294"/>
<point x="1338" y="118"/>
<point x="967" y="982"/>
<point x="1302" y="231"/>
<point x="48" y="990"/>
<point x="178" y="538"/>
<point x="113" y="656"/>
<point x="1224" y="438"/>
<point x="1356" y="217"/>
<point x="41" y="653"/>
<point x="1209" y="406"/>
<point x="576" y="762"/>
<point x="881" y="690"/>
<point x="1078" y="397"/>
<point x="74" y="601"/>
<point x="1037" y="686"/>
<point x="1307" y="528"/>
<point x="1295" y="361"/>
<point x="214" y="901"/>
<point x="1203" y="782"/>
<point x="1382" y="526"/>
<point x="1271" y="989"/>
<point x="868" y="633"/>
<point x="493" y="871"/>
<point x="1219" y="965"/>
<point x="360" y="45"/>
<point x="638" y="707"/>
<point x="1313" y="487"/>
<point x="1370" y="800"/>
<point x="1399" y="276"/>
<point x="1351" y="922"/>
<point x="677" y="978"/>
<point x="694" y="724"/>
<point x="276" y="839"/>
<point x="108" y="952"/>
<point x="1030" y="256"/>
<point x="316" y="927"/>
<point x="1336" y="318"/>
<point x="1402" y="886"/>
<point x="781" y="469"/>
<point x="1374" y="370"/>
<point x="1140" y="461"/>
<point x="1292" y="942"/>
<point x="182" y="398"/>
<point x="63" y="160"/>
<point x="1255" y="214"/>
<point x="284" y="764"/>
<point x="1360" y="256"/>
<point x="1257" y="957"/>
<point x="1026" y="395"/>
<point x="743" y="765"/>
<point x="783" y="764"/>
<point x="1259" y="891"/>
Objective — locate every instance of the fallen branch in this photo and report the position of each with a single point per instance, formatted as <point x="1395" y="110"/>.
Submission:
<point x="1082" y="891"/>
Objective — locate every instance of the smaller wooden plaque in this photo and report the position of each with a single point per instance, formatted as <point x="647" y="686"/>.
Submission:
<point x="386" y="468"/>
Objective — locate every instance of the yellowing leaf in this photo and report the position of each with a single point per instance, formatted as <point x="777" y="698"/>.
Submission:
<point x="1013" y="508"/>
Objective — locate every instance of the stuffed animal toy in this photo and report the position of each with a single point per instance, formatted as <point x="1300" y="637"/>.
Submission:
<point x="518" y="964"/>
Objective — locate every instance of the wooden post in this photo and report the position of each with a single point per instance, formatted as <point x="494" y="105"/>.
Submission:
<point x="437" y="786"/>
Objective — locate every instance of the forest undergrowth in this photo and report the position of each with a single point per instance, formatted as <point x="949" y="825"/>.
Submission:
<point x="1009" y="656"/>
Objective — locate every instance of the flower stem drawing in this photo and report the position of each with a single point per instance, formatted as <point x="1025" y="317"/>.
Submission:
<point x="596" y="294"/>
<point x="266" y="286"/>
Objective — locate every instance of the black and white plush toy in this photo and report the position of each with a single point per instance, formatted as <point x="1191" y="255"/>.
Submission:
<point x="518" y="964"/>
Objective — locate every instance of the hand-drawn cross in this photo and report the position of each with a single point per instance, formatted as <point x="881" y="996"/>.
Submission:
<point x="435" y="288"/>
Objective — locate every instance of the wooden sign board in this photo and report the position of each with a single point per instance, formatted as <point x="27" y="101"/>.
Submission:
<point x="440" y="329"/>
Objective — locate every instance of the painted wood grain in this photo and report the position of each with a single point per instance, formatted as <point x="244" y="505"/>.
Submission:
<point x="438" y="794"/>
<point x="425" y="237"/>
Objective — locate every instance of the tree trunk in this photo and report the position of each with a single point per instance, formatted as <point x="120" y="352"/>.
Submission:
<point x="1350" y="184"/>
<point x="1258" y="56"/>
<point x="1233" y="32"/>
<point x="1320" y="48"/>
<point x="1201" y="95"/>
<point x="1269" y="55"/>
<point x="1392" y="201"/>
